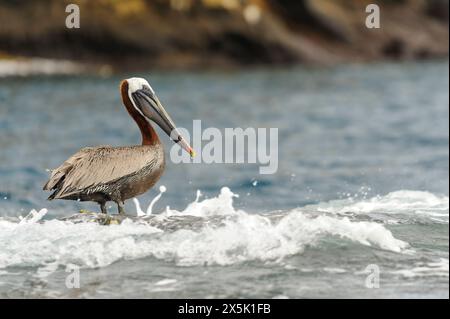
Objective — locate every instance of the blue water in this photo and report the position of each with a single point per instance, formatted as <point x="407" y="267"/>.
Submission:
<point x="347" y="133"/>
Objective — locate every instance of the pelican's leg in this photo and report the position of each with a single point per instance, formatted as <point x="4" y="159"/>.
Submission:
<point x="103" y="208"/>
<point x="120" y="208"/>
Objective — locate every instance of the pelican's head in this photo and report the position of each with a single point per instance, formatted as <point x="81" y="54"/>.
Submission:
<point x="145" y="101"/>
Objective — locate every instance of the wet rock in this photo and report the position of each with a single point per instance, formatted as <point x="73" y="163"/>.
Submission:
<point x="394" y="49"/>
<point x="438" y="9"/>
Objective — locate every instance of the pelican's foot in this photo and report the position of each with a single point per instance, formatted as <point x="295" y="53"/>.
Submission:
<point x="85" y="211"/>
<point x="109" y="220"/>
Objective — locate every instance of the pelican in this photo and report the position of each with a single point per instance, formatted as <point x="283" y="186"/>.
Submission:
<point x="105" y="173"/>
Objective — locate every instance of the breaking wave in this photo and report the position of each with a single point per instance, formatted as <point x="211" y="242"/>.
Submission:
<point x="396" y="207"/>
<point x="207" y="232"/>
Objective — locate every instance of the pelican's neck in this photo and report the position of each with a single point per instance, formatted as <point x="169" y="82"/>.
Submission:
<point x="149" y="136"/>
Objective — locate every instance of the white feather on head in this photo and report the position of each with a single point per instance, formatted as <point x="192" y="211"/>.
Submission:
<point x="135" y="84"/>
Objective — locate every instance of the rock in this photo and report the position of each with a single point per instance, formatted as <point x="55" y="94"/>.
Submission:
<point x="137" y="34"/>
<point x="438" y="9"/>
<point x="395" y="49"/>
<point x="163" y="223"/>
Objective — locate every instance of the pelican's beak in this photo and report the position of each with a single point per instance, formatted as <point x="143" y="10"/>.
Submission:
<point x="149" y="105"/>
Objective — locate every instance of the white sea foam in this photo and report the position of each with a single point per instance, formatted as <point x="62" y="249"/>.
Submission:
<point x="438" y="268"/>
<point x="165" y="282"/>
<point x="38" y="66"/>
<point x="417" y="203"/>
<point x="225" y="236"/>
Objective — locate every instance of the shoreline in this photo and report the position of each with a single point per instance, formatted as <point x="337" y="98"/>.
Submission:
<point x="36" y="66"/>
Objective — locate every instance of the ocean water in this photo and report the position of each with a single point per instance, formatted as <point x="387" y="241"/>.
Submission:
<point x="362" y="184"/>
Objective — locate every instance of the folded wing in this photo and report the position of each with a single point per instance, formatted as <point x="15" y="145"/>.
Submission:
<point x="92" y="167"/>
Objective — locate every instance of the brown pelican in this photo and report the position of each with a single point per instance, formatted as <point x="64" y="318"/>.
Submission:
<point x="105" y="173"/>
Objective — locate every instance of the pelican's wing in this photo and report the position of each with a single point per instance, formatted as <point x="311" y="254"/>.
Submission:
<point x="59" y="173"/>
<point x="92" y="167"/>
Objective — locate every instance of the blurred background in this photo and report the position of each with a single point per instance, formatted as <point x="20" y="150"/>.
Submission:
<point x="179" y="34"/>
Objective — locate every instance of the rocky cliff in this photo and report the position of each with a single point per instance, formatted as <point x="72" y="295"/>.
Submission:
<point x="221" y="33"/>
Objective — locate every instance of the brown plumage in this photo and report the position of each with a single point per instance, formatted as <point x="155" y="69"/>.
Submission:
<point x="106" y="173"/>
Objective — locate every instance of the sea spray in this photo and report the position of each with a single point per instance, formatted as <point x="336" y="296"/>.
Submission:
<point x="207" y="232"/>
<point x="140" y="212"/>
